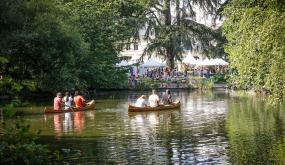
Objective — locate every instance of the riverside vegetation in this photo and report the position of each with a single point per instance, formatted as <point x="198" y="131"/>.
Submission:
<point x="18" y="146"/>
<point x="51" y="45"/>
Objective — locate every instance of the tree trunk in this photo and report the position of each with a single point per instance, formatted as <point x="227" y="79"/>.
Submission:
<point x="167" y="13"/>
<point x="167" y="23"/>
<point x="170" y="58"/>
<point x="178" y="12"/>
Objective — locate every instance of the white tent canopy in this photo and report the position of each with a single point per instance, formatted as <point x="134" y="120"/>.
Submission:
<point x="220" y="61"/>
<point x="122" y="63"/>
<point x="206" y="62"/>
<point x="152" y="63"/>
<point x="190" y="60"/>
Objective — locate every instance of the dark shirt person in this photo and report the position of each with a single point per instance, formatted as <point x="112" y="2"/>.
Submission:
<point x="166" y="98"/>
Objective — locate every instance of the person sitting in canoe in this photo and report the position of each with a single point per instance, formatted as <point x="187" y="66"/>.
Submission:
<point x="166" y="98"/>
<point x="67" y="99"/>
<point x="57" y="102"/>
<point x="79" y="100"/>
<point x="153" y="99"/>
<point x="141" y="101"/>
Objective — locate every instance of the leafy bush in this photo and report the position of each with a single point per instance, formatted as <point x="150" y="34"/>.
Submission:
<point x="18" y="146"/>
<point x="201" y="83"/>
<point x="147" y="83"/>
<point x="255" y="33"/>
<point x="219" y="78"/>
<point x="207" y="84"/>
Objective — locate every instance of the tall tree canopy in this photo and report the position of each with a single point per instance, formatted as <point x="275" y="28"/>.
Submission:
<point x="64" y="44"/>
<point x="105" y="24"/>
<point x="175" y="25"/>
<point x="255" y="31"/>
<point x="39" y="46"/>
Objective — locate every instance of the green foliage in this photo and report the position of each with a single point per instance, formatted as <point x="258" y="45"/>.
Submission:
<point x="201" y="83"/>
<point x="219" y="78"/>
<point x="176" y="29"/>
<point x="18" y="146"/>
<point x="207" y="84"/>
<point x="104" y="25"/>
<point x="52" y="45"/>
<point x="147" y="84"/>
<point x="255" y="31"/>
<point x="40" y="46"/>
<point x="254" y="134"/>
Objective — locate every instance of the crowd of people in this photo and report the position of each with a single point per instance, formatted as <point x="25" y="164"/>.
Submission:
<point x="67" y="102"/>
<point x="153" y="100"/>
<point x="166" y="74"/>
<point x="154" y="74"/>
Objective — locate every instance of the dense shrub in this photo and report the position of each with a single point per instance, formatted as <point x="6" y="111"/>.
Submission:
<point x="18" y="146"/>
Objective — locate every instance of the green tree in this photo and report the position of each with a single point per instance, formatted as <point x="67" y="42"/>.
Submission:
<point x="176" y="30"/>
<point x="255" y="31"/>
<point x="105" y="25"/>
<point x="41" y="48"/>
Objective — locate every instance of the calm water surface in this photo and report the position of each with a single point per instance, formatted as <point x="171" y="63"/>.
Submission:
<point x="210" y="128"/>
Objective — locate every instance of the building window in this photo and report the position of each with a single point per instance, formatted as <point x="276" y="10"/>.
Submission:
<point x="136" y="46"/>
<point x="128" y="46"/>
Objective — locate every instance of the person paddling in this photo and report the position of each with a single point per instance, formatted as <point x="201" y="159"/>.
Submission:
<point x="166" y="98"/>
<point x="79" y="100"/>
<point x="67" y="99"/>
<point x="57" y="103"/>
<point x="141" y="101"/>
<point x="153" y="99"/>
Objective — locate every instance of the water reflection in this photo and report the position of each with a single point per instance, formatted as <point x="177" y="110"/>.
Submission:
<point x="79" y="121"/>
<point x="257" y="132"/>
<point x="210" y="128"/>
<point x="57" y="125"/>
<point x="67" y="123"/>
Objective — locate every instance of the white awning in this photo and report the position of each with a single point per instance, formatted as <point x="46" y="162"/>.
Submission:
<point x="122" y="63"/>
<point x="220" y="61"/>
<point x="212" y="62"/>
<point x="152" y="63"/>
<point x="192" y="61"/>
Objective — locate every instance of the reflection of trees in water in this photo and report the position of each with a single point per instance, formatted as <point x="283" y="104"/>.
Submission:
<point x="256" y="132"/>
<point x="174" y="142"/>
<point x="204" y="116"/>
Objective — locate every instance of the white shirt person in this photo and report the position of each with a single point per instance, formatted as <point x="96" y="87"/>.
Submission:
<point x="141" y="101"/>
<point x="68" y="101"/>
<point x="153" y="99"/>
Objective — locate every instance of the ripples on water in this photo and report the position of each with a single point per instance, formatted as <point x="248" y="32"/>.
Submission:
<point x="198" y="133"/>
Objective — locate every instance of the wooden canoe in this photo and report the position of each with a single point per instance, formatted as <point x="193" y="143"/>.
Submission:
<point x="89" y="106"/>
<point x="174" y="105"/>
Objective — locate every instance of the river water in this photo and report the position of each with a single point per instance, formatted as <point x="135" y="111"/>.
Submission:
<point x="209" y="128"/>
